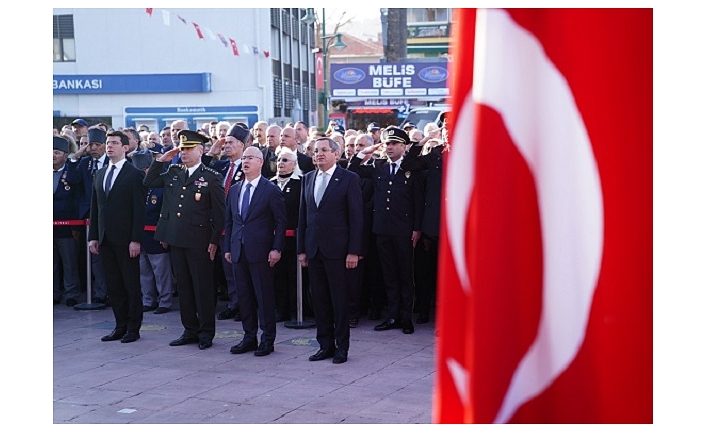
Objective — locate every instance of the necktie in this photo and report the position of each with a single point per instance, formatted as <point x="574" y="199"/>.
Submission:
<point x="95" y="167"/>
<point x="246" y="201"/>
<point x="393" y="169"/>
<point x="109" y="180"/>
<point x="320" y="187"/>
<point x="229" y="177"/>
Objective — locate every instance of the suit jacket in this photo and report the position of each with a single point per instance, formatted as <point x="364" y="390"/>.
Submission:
<point x="305" y="163"/>
<point x="81" y="173"/>
<point x="193" y="207"/>
<point x="120" y="216"/>
<point x="397" y="203"/>
<point x="335" y="227"/>
<point x="221" y="166"/>
<point x="432" y="165"/>
<point x="263" y="227"/>
<point x="269" y="165"/>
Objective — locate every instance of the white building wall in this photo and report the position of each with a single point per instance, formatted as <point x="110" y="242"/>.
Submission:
<point x="129" y="41"/>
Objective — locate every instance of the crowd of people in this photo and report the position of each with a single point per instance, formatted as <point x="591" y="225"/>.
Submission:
<point x="240" y="214"/>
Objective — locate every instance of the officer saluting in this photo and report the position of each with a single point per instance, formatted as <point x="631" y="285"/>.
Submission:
<point x="191" y="223"/>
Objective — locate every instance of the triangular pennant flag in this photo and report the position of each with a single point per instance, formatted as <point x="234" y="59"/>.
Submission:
<point x="209" y="33"/>
<point x="181" y="19"/>
<point x="223" y="40"/>
<point x="234" y="46"/>
<point x="255" y="50"/>
<point x="198" y="30"/>
<point x="165" y="17"/>
<point x="267" y="54"/>
<point x="149" y="11"/>
<point x="246" y="49"/>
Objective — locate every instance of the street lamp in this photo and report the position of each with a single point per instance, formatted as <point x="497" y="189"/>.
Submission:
<point x="309" y="19"/>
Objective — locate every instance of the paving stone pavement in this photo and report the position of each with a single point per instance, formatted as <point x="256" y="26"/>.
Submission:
<point x="388" y="378"/>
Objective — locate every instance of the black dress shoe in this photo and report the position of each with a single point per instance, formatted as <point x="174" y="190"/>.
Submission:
<point x="322" y="354"/>
<point x="117" y="334"/>
<point x="340" y="357"/>
<point x="161" y="310"/>
<point x="244" y="347"/>
<point x="228" y="313"/>
<point x="184" y="339"/>
<point x="146" y="308"/>
<point x="353" y="323"/>
<point x="205" y="344"/>
<point x="71" y="302"/>
<point x="130" y="337"/>
<point x="407" y="326"/>
<point x="264" y="349"/>
<point x="388" y="324"/>
<point x="423" y="318"/>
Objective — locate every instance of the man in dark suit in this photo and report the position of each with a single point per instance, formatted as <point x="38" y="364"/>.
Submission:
<point x="288" y="138"/>
<point x="256" y="220"/>
<point x="230" y="166"/>
<point x="397" y="219"/>
<point x="191" y="224"/>
<point x="330" y="243"/>
<point x="117" y="221"/>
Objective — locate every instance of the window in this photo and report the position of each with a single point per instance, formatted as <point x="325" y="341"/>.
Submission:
<point x="427" y="15"/>
<point x="64" y="43"/>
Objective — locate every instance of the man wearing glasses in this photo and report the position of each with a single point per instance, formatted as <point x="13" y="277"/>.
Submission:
<point x="255" y="224"/>
<point x="330" y="243"/>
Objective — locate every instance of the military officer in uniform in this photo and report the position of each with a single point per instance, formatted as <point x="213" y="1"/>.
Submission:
<point x="191" y="223"/>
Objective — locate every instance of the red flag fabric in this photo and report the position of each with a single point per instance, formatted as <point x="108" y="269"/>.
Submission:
<point x="149" y="11"/>
<point x="198" y="30"/>
<point x="234" y="46"/>
<point x="545" y="262"/>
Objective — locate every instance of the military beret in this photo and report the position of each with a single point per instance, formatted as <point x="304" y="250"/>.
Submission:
<point x="80" y="122"/>
<point x="189" y="138"/>
<point x="142" y="160"/>
<point x="155" y="148"/>
<point x="96" y="134"/>
<point x="395" y="134"/>
<point x="239" y="133"/>
<point x="61" y="144"/>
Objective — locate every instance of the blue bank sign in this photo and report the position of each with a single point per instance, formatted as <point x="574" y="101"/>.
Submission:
<point x="132" y="84"/>
<point x="389" y="79"/>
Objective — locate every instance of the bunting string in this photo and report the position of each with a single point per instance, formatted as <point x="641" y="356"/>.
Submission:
<point x="203" y="31"/>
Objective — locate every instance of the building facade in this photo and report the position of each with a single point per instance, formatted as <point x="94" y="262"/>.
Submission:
<point x="151" y="66"/>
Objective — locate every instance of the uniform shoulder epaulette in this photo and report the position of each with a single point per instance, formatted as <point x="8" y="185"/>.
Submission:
<point x="179" y="166"/>
<point x="211" y="170"/>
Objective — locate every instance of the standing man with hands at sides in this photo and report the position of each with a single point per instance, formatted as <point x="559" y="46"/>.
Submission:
<point x="115" y="231"/>
<point x="330" y="243"/>
<point x="190" y="224"/>
<point x="256" y="220"/>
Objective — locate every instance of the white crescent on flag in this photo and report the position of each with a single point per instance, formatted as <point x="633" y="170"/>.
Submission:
<point x="514" y="77"/>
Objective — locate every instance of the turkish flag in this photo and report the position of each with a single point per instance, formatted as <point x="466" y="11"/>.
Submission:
<point x="545" y="262"/>
<point x="319" y="68"/>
